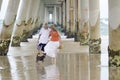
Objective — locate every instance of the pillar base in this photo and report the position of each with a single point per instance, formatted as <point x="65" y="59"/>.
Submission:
<point x="16" y="41"/>
<point x="66" y="32"/>
<point x="63" y="30"/>
<point x="24" y="36"/>
<point x="77" y="37"/>
<point x="24" y="40"/>
<point x="114" y="58"/>
<point x="30" y="35"/>
<point x="4" y="46"/>
<point x="70" y="35"/>
<point x="84" y="38"/>
<point x="94" y="46"/>
<point x="35" y="31"/>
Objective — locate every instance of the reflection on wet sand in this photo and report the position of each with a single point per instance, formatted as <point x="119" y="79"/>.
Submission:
<point x="68" y="67"/>
<point x="49" y="72"/>
<point x="94" y="69"/>
<point x="73" y="66"/>
<point x="114" y="73"/>
<point x="20" y="68"/>
<point x="4" y="68"/>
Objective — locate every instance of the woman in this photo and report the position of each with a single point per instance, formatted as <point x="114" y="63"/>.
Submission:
<point x="53" y="44"/>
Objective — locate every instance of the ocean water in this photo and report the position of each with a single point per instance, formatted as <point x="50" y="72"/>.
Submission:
<point x="104" y="27"/>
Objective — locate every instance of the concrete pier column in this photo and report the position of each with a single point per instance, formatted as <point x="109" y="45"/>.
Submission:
<point x="67" y="17"/>
<point x="114" y="33"/>
<point x="55" y="15"/>
<point x="77" y="20"/>
<point x="84" y="34"/>
<point x="58" y="15"/>
<point x="41" y="12"/>
<point x="36" y="17"/>
<point x="20" y="22"/>
<point x="59" y="20"/>
<point x="46" y="14"/>
<point x="31" y="20"/>
<point x="64" y="14"/>
<point x="72" y="19"/>
<point x="94" y="23"/>
<point x="7" y="26"/>
<point x="0" y="3"/>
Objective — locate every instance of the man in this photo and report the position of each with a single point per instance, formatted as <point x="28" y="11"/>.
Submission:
<point x="43" y="39"/>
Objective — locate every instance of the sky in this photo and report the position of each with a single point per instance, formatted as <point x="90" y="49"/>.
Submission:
<point x="103" y="8"/>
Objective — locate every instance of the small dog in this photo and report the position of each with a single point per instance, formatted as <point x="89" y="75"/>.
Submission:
<point x="40" y="57"/>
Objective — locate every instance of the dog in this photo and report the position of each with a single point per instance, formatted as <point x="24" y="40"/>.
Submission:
<point x="41" y="57"/>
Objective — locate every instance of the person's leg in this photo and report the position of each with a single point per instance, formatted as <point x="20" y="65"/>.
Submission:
<point x="39" y="52"/>
<point x="39" y="48"/>
<point x="42" y="54"/>
<point x="42" y="49"/>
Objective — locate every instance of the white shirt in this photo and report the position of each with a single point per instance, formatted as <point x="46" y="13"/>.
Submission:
<point x="44" y="35"/>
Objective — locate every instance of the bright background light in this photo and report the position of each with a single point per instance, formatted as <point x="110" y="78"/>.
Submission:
<point x="103" y="8"/>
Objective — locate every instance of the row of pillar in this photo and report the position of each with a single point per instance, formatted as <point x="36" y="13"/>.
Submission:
<point x="83" y="23"/>
<point x="56" y="14"/>
<point x="21" y="19"/>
